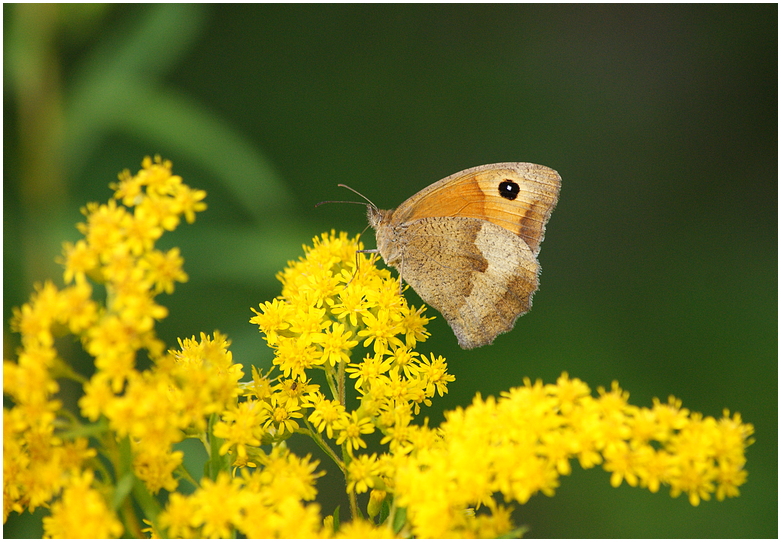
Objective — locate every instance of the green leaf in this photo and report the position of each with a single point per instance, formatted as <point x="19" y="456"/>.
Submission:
<point x="337" y="523"/>
<point x="385" y="509"/>
<point x="399" y="520"/>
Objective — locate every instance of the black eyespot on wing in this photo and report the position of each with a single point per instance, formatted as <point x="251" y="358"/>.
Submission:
<point x="509" y="189"/>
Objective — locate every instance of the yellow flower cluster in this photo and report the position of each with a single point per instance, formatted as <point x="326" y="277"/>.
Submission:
<point x="514" y="447"/>
<point x="334" y="300"/>
<point x="45" y="449"/>
<point x="346" y="372"/>
<point x="520" y="444"/>
<point x="267" y="503"/>
<point x="82" y="510"/>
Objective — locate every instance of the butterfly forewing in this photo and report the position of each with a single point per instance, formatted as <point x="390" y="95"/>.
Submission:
<point x="517" y="196"/>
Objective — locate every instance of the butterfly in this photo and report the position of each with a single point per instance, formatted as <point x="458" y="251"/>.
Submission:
<point x="468" y="244"/>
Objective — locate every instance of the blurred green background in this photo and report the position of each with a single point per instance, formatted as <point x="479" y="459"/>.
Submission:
<point x="660" y="261"/>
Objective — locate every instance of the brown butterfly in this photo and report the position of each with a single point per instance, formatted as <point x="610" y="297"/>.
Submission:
<point x="468" y="244"/>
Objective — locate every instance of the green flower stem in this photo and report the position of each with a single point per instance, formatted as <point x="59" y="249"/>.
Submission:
<point x="217" y="462"/>
<point x="330" y="378"/>
<point x="355" y="512"/>
<point x="341" y="386"/>
<point x="185" y="475"/>
<point x="124" y="485"/>
<point x="314" y="435"/>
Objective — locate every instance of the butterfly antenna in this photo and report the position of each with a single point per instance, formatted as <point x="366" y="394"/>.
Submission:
<point x="368" y="201"/>
<point x="353" y="190"/>
<point x="340" y="201"/>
